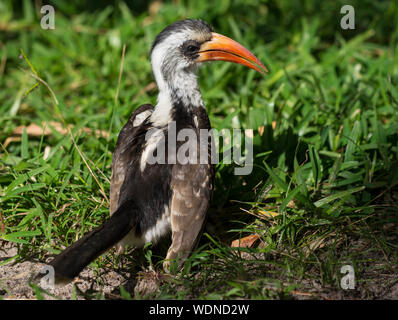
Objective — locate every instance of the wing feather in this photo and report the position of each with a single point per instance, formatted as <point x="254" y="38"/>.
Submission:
<point x="121" y="159"/>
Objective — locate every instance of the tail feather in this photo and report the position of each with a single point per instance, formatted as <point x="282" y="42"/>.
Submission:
<point x="75" y="258"/>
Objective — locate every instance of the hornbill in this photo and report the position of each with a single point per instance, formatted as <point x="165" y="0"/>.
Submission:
<point x="150" y="199"/>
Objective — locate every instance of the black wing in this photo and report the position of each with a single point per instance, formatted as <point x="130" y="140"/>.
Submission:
<point x="121" y="156"/>
<point x="124" y="218"/>
<point x="149" y="188"/>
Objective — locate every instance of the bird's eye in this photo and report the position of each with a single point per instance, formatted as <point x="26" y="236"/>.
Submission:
<point x="192" y="48"/>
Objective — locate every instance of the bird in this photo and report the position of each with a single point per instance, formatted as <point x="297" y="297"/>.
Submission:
<point x="152" y="199"/>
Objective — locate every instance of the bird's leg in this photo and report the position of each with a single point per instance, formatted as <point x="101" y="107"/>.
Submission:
<point x="191" y="185"/>
<point x="183" y="240"/>
<point x="175" y="252"/>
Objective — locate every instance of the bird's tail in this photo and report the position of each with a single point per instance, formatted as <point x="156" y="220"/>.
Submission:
<point x="73" y="259"/>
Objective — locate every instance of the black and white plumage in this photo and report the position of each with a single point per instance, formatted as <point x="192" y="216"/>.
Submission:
<point x="148" y="200"/>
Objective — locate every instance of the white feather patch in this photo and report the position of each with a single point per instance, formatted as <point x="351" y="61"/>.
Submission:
<point x="161" y="116"/>
<point x="183" y="82"/>
<point x="151" y="145"/>
<point x="141" y="117"/>
<point x="161" y="228"/>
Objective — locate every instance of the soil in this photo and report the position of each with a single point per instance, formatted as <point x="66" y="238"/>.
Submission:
<point x="15" y="277"/>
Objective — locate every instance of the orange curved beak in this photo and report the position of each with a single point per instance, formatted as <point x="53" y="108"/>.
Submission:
<point x="223" y="48"/>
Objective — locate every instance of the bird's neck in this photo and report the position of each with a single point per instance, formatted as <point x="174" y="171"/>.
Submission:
<point x="178" y="95"/>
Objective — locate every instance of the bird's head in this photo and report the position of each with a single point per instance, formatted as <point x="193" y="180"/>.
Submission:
<point x="181" y="46"/>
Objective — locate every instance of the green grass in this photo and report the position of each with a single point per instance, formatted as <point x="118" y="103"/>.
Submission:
<point x="325" y="138"/>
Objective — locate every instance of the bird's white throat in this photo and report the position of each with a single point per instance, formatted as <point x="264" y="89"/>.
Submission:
<point x="178" y="86"/>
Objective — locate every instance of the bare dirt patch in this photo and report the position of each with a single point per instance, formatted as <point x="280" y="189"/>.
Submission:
<point x="376" y="279"/>
<point x="15" y="276"/>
